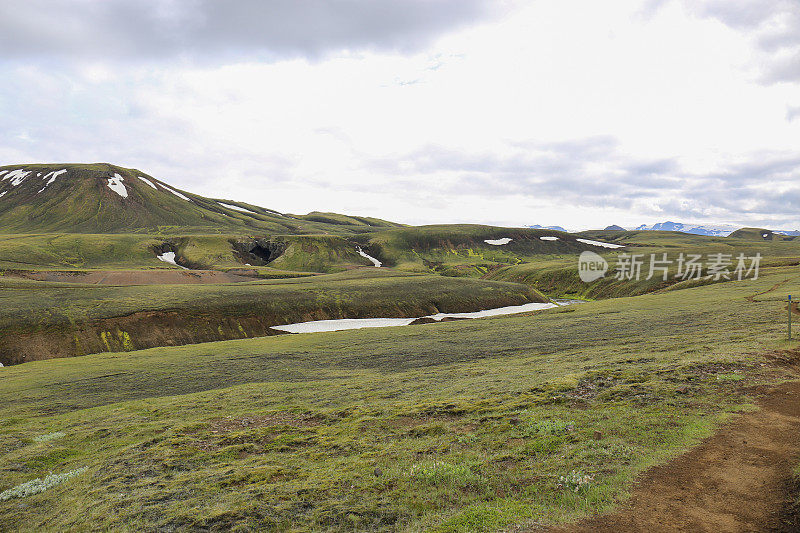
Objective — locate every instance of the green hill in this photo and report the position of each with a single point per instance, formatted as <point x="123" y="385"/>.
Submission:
<point x="759" y="234"/>
<point x="468" y="249"/>
<point x="104" y="198"/>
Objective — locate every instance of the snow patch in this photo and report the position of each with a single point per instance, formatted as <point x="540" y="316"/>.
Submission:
<point x="3" y="193"/>
<point x="498" y="242"/>
<point x="549" y="238"/>
<point x="115" y="184"/>
<point x="55" y="174"/>
<point x="17" y="176"/>
<point x="176" y="193"/>
<point x="509" y="310"/>
<point x="602" y="244"/>
<point x="236" y="208"/>
<point x="375" y="262"/>
<point x="147" y="181"/>
<point x="317" y="326"/>
<point x="169" y="257"/>
<point x="765" y="235"/>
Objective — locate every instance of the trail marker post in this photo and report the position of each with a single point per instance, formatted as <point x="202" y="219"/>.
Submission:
<point x="790" y="317"/>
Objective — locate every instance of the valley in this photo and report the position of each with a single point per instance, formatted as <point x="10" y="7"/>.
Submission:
<point x="153" y="359"/>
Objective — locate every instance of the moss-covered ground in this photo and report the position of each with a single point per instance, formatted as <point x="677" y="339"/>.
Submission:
<point x="464" y="426"/>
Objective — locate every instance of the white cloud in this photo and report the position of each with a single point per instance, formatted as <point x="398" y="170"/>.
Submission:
<point x="570" y="112"/>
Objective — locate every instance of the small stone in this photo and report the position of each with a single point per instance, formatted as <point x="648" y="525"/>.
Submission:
<point x="378" y="472"/>
<point x="598" y="435"/>
<point x="514" y="421"/>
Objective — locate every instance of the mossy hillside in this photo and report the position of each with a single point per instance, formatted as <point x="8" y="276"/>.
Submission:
<point x="60" y="251"/>
<point x="81" y="201"/>
<point x="345" y="220"/>
<point x="446" y="427"/>
<point x="760" y="235"/>
<point x="78" y="251"/>
<point x="438" y="247"/>
<point x="318" y="254"/>
<point x="559" y="276"/>
<point x="45" y="319"/>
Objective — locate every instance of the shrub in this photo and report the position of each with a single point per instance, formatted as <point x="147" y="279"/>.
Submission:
<point x="49" y="436"/>
<point x="550" y="426"/>
<point x="38" y="485"/>
<point x="575" y="481"/>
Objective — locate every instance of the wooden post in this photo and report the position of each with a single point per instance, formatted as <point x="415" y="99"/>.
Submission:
<point x="790" y="317"/>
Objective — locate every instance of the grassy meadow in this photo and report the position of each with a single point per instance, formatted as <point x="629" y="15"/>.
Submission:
<point x="477" y="425"/>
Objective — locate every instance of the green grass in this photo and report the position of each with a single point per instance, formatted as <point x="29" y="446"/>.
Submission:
<point x="448" y="427"/>
<point x="72" y="319"/>
<point x="70" y="251"/>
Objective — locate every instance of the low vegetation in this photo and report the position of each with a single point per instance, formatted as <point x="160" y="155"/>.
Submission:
<point x="476" y="425"/>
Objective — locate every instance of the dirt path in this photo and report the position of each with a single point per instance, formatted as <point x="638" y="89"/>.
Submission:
<point x="738" y="480"/>
<point x="752" y="297"/>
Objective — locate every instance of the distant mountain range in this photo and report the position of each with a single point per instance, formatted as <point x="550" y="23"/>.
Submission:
<point x="713" y="230"/>
<point x="557" y="228"/>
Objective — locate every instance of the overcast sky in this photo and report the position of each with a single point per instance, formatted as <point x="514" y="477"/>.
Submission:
<point x="571" y="112"/>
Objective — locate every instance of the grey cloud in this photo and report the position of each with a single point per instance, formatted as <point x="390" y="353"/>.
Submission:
<point x="792" y="113"/>
<point x="197" y="29"/>
<point x="774" y="25"/>
<point x="594" y="172"/>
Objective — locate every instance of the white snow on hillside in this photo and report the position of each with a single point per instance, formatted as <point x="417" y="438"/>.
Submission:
<point x="498" y="242"/>
<point x="3" y="193"/>
<point x="53" y="175"/>
<point x="115" y="184"/>
<point x="169" y="257"/>
<point x="549" y="238"/>
<point x="363" y="254"/>
<point x="147" y="181"/>
<point x="176" y="193"/>
<point x="598" y="243"/>
<point x="17" y="176"/>
<point x="236" y="208"/>
<point x="317" y="326"/>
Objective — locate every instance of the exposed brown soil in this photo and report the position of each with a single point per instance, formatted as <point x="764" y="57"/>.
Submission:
<point x="738" y="480"/>
<point x="752" y="297"/>
<point x="133" y="277"/>
<point x="429" y="320"/>
<point x="145" y="329"/>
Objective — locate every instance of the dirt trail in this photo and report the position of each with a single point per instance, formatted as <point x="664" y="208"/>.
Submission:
<point x="738" y="480"/>
<point x="752" y="297"/>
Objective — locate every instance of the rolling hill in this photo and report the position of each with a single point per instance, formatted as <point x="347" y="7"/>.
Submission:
<point x="761" y="234"/>
<point x="105" y="198"/>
